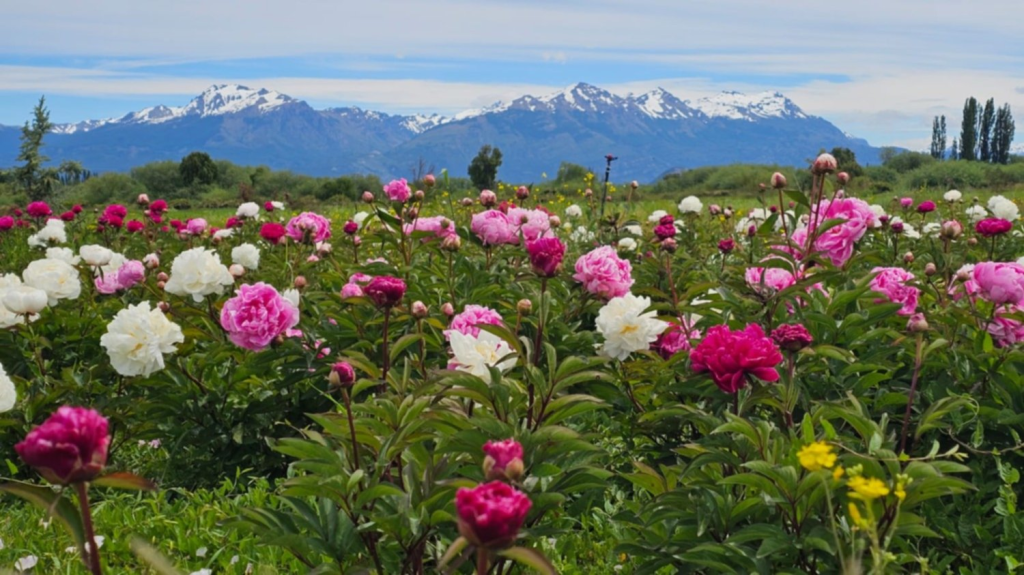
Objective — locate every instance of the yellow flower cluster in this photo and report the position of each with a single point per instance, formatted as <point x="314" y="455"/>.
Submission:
<point x="867" y="488"/>
<point x="817" y="456"/>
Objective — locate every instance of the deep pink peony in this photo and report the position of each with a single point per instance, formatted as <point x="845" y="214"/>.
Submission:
<point x="532" y="224"/>
<point x="385" y="291"/>
<point x="769" y="281"/>
<point x="999" y="282"/>
<point x="256" y="315"/>
<point x="398" y="190"/>
<point x="69" y="447"/>
<point x="158" y="206"/>
<point x="491" y="514"/>
<point x="732" y="356"/>
<point x="906" y="202"/>
<point x="676" y="338"/>
<point x="68" y="216"/>
<point x="603" y="273"/>
<point x="38" y="210"/>
<point x="504" y="459"/>
<point x="116" y="210"/>
<point x="472" y="316"/>
<point x="343" y="374"/>
<point x="665" y="231"/>
<point x="546" y="256"/>
<point x="926" y="206"/>
<point x="440" y="226"/>
<point x="1006" y="331"/>
<point x="268" y="206"/>
<point x="892" y="282"/>
<point x="272" y="232"/>
<point x="309" y="227"/>
<point x="792" y="337"/>
<point x="727" y="245"/>
<point x="493" y="228"/>
<point x="135" y="226"/>
<point x="6" y="223"/>
<point x="993" y="227"/>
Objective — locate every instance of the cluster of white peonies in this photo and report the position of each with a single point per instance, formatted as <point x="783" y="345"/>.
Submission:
<point x="52" y="233"/>
<point x="1003" y="208"/>
<point x="246" y="255"/>
<point x="690" y="205"/>
<point x="137" y="339"/>
<point x="8" y="394"/>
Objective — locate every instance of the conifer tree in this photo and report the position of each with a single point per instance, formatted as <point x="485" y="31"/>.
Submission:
<point x="988" y="120"/>
<point x="969" y="130"/>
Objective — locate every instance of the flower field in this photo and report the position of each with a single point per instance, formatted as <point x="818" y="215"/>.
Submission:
<point x="423" y="383"/>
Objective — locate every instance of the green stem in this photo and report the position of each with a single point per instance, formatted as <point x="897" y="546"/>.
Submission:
<point x="92" y="551"/>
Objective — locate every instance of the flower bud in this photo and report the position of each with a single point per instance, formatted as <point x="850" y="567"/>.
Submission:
<point x="524" y="307"/>
<point x="522" y="192"/>
<point x="451" y="243"/>
<point x="412" y="213"/>
<point x="418" y="195"/>
<point x="669" y="245"/>
<point x="951" y="229"/>
<point x="342" y="375"/>
<point x="727" y="245"/>
<point x="897" y="227"/>
<point x="160" y="284"/>
<point x="300" y="282"/>
<point x="843" y="178"/>
<point x="930" y="269"/>
<point x="963" y="275"/>
<point x="761" y="187"/>
<point x="419" y="310"/>
<point x="908" y="257"/>
<point x="555" y="221"/>
<point x="368" y="197"/>
<point x="350" y="228"/>
<point x="467" y="202"/>
<point x="236" y="270"/>
<point x="824" y="164"/>
<point x="357" y="241"/>
<point x="778" y="181"/>
<point x="142" y="200"/>
<point x="917" y="323"/>
<point x="162" y="276"/>
<point x="429" y="180"/>
<point x="972" y="241"/>
<point x="447" y="309"/>
<point x="503" y="460"/>
<point x="164" y="307"/>
<point x="488" y="198"/>
<point x="588" y="193"/>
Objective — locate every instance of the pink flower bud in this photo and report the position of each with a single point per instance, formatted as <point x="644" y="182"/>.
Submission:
<point x="524" y="307"/>
<point x="503" y="460"/>
<point x="908" y="257"/>
<point x="429" y="180"/>
<point x="142" y="200"/>
<point x="162" y="276"/>
<point x="778" y="181"/>
<point x="385" y="291"/>
<point x="447" y="309"/>
<point x="368" y="197"/>
<point x="69" y="447"/>
<point x="236" y="270"/>
<point x="825" y="164"/>
<point x="843" y="178"/>
<point x="488" y="198"/>
<point x="419" y="310"/>
<point x="588" y="193"/>
<point x="300" y="282"/>
<point x="522" y="192"/>
<point x="342" y="374"/>
<point x="164" y="307"/>
<point x="418" y="195"/>
<point x="634" y="184"/>
<point x="917" y="323"/>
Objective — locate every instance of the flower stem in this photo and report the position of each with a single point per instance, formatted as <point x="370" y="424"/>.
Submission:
<point x="351" y="429"/>
<point x="481" y="561"/>
<point x="386" y="360"/>
<point x="91" y="550"/>
<point x="910" y="398"/>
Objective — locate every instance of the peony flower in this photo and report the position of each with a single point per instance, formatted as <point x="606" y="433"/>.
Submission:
<point x="52" y="233"/>
<point x="993" y="227"/>
<point x="493" y="228"/>
<point x="546" y="256"/>
<point x="952" y="196"/>
<point x="892" y="282"/>
<point x="1003" y="208"/>
<point x="131" y="273"/>
<point x="135" y="226"/>
<point x="257" y="315"/>
<point x="532" y="224"/>
<point x="440" y="226"/>
<point x="603" y="273"/>
<point x="398" y="190"/>
<point x="6" y="223"/>
<point x="309" y="227"/>
<point x="503" y="460"/>
<point x="926" y="206"/>
<point x="55" y="277"/>
<point x="769" y="281"/>
<point x="95" y="255"/>
<point x="272" y="232"/>
<point x="976" y="213"/>
<point x="732" y="356"/>
<point x="248" y="210"/>
<point x="8" y="393"/>
<point x="656" y="216"/>
<point x="69" y="447"/>
<point x="66" y="255"/>
<point x="38" y="210"/>
<point x="792" y="337"/>
<point x="246" y="255"/>
<point x="24" y="300"/>
<point x="198" y="272"/>
<point x="385" y="291"/>
<point x="1000" y="283"/>
<point x="491" y="514"/>
<point x="1004" y="330"/>
<point x="138" y="338"/>
<point x="824" y="164"/>
<point x="627" y="327"/>
<point x="471" y="317"/>
<point x="676" y="338"/>
<point x="196" y="226"/>
<point x="690" y="205"/>
<point x="351" y="290"/>
<point x="477" y="354"/>
<point x="573" y="211"/>
<point x="627" y="245"/>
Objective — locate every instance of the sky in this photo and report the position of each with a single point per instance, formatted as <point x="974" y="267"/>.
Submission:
<point x="879" y="70"/>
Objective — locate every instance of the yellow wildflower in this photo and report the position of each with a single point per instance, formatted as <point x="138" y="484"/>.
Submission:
<point x="901" y="493"/>
<point x="855" y="516"/>
<point x="816" y="456"/>
<point x="838" y="472"/>
<point x="867" y="489"/>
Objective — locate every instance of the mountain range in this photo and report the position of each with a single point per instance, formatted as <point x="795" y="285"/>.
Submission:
<point x="651" y="133"/>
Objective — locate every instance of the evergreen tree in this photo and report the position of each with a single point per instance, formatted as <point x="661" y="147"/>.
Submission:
<point x="483" y="170"/>
<point x="198" y="167"/>
<point x="954" y="151"/>
<point x="935" y="150"/>
<point x="969" y="130"/>
<point x="988" y="119"/>
<point x="31" y="174"/>
<point x="1002" y="136"/>
<point x="942" y="137"/>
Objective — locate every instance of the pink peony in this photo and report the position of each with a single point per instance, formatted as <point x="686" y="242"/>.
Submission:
<point x="472" y="316"/>
<point x="491" y="514"/>
<point x="993" y="227"/>
<point x="892" y="282"/>
<point x="493" y="228"/>
<point x="673" y="340"/>
<point x="309" y="227"/>
<point x="792" y="337"/>
<point x="130" y="273"/>
<point x="6" y="223"/>
<point x="385" y="291"/>
<point x="440" y="226"/>
<point x="69" y="447"/>
<point x="398" y="190"/>
<point x="135" y="226"/>
<point x="158" y="206"/>
<point x="257" y="315"/>
<point x="837" y="242"/>
<point x="532" y="224"/>
<point x="504" y="459"/>
<point x="1000" y="283"/>
<point x="769" y="281"/>
<point x="38" y="210"/>
<point x="546" y="256"/>
<point x="196" y="226"/>
<point x="1006" y="331"/>
<point x="272" y="232"/>
<point x="603" y="273"/>
<point x="906" y="202"/>
<point x="732" y="356"/>
<point x="351" y="290"/>
<point x="926" y="206"/>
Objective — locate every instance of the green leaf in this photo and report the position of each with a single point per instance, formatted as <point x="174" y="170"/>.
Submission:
<point x="404" y="342"/>
<point x="531" y="558"/>
<point x="124" y="480"/>
<point x="454" y="549"/>
<point x="56" y="506"/>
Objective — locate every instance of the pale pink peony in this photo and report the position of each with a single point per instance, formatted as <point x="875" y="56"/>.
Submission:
<point x="769" y="281"/>
<point x="257" y="315"/>
<point x="472" y="316"/>
<point x="351" y="289"/>
<point x="493" y="228"/>
<point x="309" y="227"/>
<point x="603" y="273"/>
<point x="196" y="226"/>
<point x="532" y="224"/>
<point x="398" y="190"/>
<point x="893" y="283"/>
<point x="440" y="226"/>
<point x="130" y="273"/>
<point x="1005" y="331"/>
<point x="1000" y="282"/>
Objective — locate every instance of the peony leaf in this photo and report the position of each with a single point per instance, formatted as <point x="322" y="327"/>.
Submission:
<point x="54" y="504"/>
<point x="124" y="480"/>
<point x="531" y="558"/>
<point x="454" y="549"/>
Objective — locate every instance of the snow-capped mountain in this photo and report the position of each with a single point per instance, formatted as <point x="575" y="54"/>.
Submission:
<point x="652" y="133"/>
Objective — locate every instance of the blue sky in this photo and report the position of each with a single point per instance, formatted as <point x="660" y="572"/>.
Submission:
<point x="878" y="70"/>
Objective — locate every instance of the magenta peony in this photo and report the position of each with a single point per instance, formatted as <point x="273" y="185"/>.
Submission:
<point x="6" y="223"/>
<point x="603" y="273"/>
<point x="272" y="232"/>
<point x="926" y="206"/>
<point x="1000" y="283"/>
<point x="472" y="316"/>
<point x="993" y="227"/>
<point x="38" y="210"/>
<point x="732" y="356"/>
<point x="493" y="228"/>
<point x="504" y="460"/>
<point x="676" y="338"/>
<point x="491" y="514"/>
<point x="69" y="447"/>
<point x="342" y="374"/>
<point x="257" y="315"/>
<point x="792" y="337"/>
<point x="385" y="291"/>
<point x="398" y="190"/>
<point x="1006" y="331"/>
<point x="309" y="227"/>
<point x="196" y="226"/>
<point x="546" y="256"/>
<point x="893" y="283"/>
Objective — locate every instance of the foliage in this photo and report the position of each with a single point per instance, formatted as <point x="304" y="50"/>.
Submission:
<point x="197" y="168"/>
<point x="37" y="180"/>
<point x="483" y="170"/>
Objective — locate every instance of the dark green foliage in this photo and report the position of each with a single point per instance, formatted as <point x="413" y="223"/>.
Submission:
<point x="483" y="170"/>
<point x="938" y="147"/>
<point x="969" y="130"/>
<point x="1002" y="136"/>
<point x="988" y="120"/>
<point x="198" y="168"/>
<point x="847" y="161"/>
<point x="37" y="180"/>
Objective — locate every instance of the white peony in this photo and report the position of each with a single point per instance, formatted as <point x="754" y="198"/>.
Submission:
<point x="63" y="254"/>
<point x="573" y="211"/>
<point x="247" y="255"/>
<point x="52" y="233"/>
<point x="476" y="355"/>
<point x="656" y="215"/>
<point x="627" y="245"/>
<point x="25" y="300"/>
<point x="26" y="563"/>
<point x="359" y="218"/>
<point x="137" y="339"/>
<point x="633" y="229"/>
<point x="1003" y="208"/>
<point x="582" y="235"/>
<point x="952" y="196"/>
<point x="626" y="327"/>
<point x="198" y="272"/>
<point x="931" y="229"/>
<point x="277" y="205"/>
<point x="690" y="205"/>
<point x="7" y="317"/>
<point x="55" y="277"/>
<point x="248" y="210"/>
<point x="8" y="394"/>
<point x="95" y="255"/>
<point x="292" y="295"/>
<point x="879" y="212"/>
<point x="223" y="234"/>
<point x="976" y="213"/>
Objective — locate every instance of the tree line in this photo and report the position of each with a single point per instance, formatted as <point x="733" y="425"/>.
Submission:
<point x="986" y="133"/>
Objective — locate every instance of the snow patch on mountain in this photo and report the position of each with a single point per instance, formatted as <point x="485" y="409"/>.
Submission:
<point x="739" y="106"/>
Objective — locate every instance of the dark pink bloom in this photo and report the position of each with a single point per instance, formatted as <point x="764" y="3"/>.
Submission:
<point x="673" y="340"/>
<point x="38" y="210"/>
<point x="309" y="227"/>
<point x="732" y="356"/>
<point x="233" y="222"/>
<point x="665" y="231"/>
<point x="926" y="206"/>
<point x="792" y="337"/>
<point x="257" y="315"/>
<point x="726" y="245"/>
<point x="68" y="216"/>
<point x="6" y="223"/>
<point x="350" y="228"/>
<point x="491" y="514"/>
<point x="343" y="374"/>
<point x="158" y="207"/>
<point x="504" y="459"/>
<point x="270" y="231"/>
<point x="135" y="226"/>
<point x="993" y="227"/>
<point x="268" y="206"/>
<point x="385" y="291"/>
<point x="603" y="273"/>
<point x="546" y="256"/>
<point x="69" y="447"/>
<point x="76" y="208"/>
<point x="471" y="317"/>
<point x="893" y="283"/>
